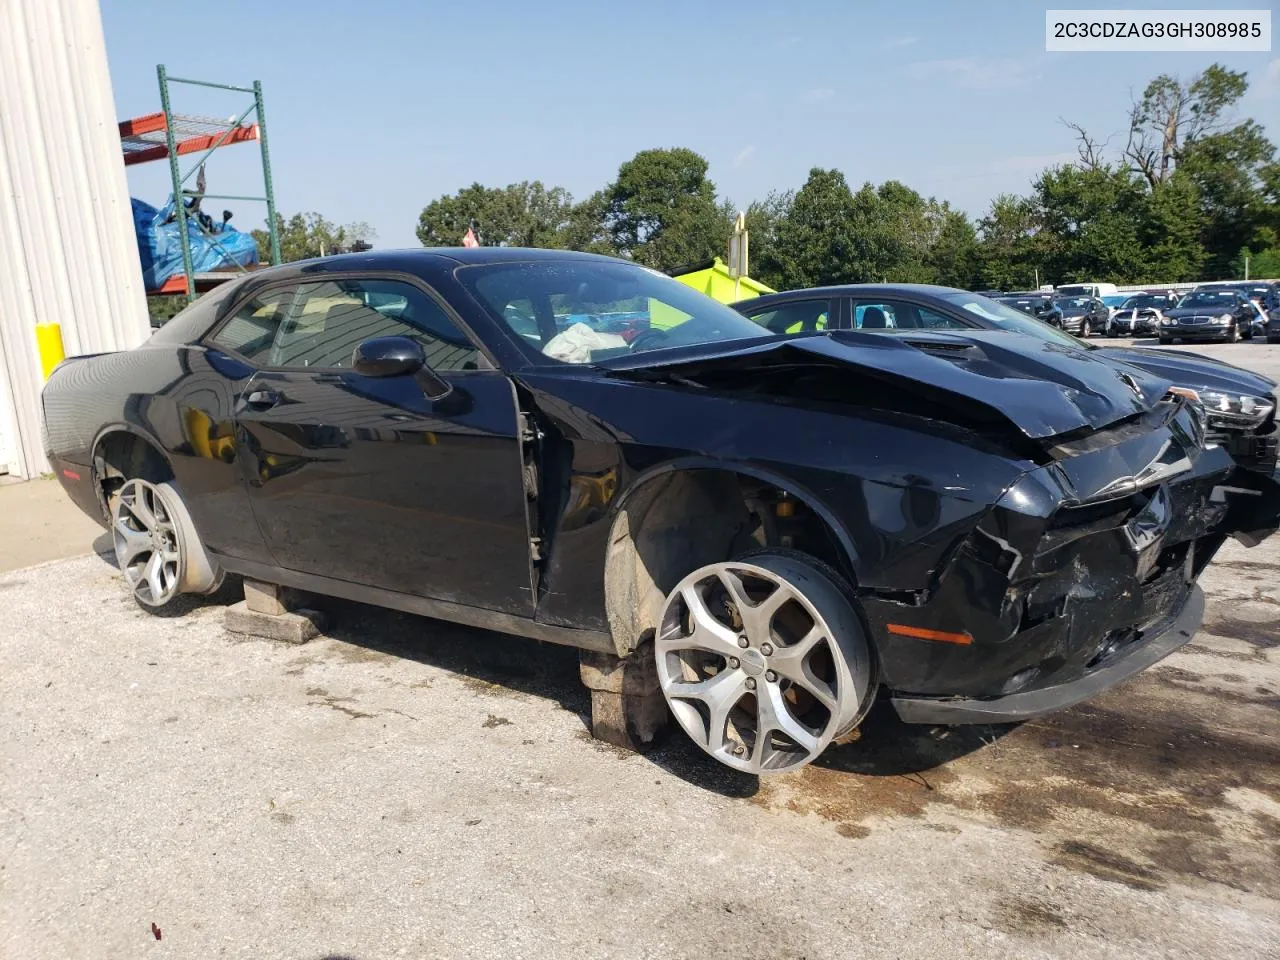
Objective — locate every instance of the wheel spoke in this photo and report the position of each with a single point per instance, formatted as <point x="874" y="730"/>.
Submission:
<point x="708" y="633"/>
<point x="720" y="693"/>
<point x="130" y="543"/>
<point x="792" y="662"/>
<point x="151" y="576"/>
<point x="774" y="715"/>
<point x="141" y="510"/>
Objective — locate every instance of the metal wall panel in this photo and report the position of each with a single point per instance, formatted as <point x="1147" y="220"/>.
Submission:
<point x="67" y="248"/>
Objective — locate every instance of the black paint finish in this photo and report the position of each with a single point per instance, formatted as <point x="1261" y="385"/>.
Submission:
<point x="1046" y="502"/>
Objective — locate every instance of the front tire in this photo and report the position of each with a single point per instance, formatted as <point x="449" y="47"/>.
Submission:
<point x="764" y="661"/>
<point x="157" y="548"/>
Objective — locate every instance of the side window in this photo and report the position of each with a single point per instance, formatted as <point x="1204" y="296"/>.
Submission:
<point x="875" y="315"/>
<point x="936" y="321"/>
<point x="898" y="315"/>
<point x="799" y="316"/>
<point x="320" y="325"/>
<point x="252" y="330"/>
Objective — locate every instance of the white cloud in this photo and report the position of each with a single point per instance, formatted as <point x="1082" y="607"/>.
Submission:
<point x="819" y="93"/>
<point x="898" y="42"/>
<point x="744" y="155"/>
<point x="978" y="72"/>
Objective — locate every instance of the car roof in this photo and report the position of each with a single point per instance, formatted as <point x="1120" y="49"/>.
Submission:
<point x="850" y="290"/>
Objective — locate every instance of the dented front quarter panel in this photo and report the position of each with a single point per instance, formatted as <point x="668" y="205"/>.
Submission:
<point x="901" y="505"/>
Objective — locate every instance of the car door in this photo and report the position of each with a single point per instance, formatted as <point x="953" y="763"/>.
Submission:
<point x="367" y="479"/>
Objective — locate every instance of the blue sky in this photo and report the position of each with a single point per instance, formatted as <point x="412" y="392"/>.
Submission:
<point x="376" y="108"/>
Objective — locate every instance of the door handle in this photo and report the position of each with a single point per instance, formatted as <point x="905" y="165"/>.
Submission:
<point x="262" y="399"/>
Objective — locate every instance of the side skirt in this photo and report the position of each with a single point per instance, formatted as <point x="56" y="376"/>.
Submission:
<point x="422" y="606"/>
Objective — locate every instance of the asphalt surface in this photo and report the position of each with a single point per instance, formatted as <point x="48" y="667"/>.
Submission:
<point x="408" y="788"/>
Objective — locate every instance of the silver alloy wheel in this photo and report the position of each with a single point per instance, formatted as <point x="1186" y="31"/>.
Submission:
<point x="148" y="543"/>
<point x="763" y="662"/>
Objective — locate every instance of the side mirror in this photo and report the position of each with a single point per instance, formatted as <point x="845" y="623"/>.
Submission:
<point x="388" y="357"/>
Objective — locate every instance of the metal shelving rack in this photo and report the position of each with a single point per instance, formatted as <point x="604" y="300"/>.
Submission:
<point x="171" y="135"/>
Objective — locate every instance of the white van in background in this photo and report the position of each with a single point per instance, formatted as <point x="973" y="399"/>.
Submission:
<point x="1098" y="290"/>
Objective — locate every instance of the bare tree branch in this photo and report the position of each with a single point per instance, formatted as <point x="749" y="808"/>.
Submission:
<point x="1091" y="151"/>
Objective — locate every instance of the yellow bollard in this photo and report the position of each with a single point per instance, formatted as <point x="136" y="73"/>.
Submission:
<point x="49" y="343"/>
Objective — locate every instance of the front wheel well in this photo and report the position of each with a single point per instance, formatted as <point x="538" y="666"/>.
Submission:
<point x="680" y="520"/>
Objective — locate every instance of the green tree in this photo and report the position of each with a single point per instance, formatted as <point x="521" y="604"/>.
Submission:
<point x="307" y="235"/>
<point x="1170" y="229"/>
<point x="763" y="220"/>
<point x="525" y="214"/>
<point x="586" y="229"/>
<point x="661" y="210"/>
<point x="1172" y="114"/>
<point x="1228" y="170"/>
<point x="1088" y="221"/>
<point x="1008" y="244"/>
<point x="954" y="256"/>
<point x="816" y="238"/>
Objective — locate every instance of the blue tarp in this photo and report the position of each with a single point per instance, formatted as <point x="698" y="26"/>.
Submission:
<point x="160" y="247"/>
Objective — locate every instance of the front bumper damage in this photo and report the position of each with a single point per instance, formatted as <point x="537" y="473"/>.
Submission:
<point x="1081" y="576"/>
<point x="1154" y="644"/>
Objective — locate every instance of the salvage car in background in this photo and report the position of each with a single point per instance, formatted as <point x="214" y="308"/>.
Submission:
<point x="1083" y="316"/>
<point x="1209" y="314"/>
<point x="1038" y="305"/>
<point x="1240" y="405"/>
<point x="1140" y="314"/>
<point x="985" y="526"/>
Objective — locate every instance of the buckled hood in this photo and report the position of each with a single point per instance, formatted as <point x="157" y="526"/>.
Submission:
<point x="1042" y="389"/>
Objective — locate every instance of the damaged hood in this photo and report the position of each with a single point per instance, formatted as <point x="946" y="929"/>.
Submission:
<point x="1192" y="370"/>
<point x="1042" y="389"/>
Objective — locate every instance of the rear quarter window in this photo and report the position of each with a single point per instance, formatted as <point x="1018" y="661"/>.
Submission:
<point x="194" y="322"/>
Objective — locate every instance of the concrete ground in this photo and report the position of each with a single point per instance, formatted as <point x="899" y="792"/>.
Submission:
<point x="39" y="523"/>
<point x="408" y="788"/>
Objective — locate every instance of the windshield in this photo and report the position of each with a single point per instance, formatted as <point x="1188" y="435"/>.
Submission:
<point x="1208" y="298"/>
<point x="583" y="311"/>
<point x="1072" y="304"/>
<point x="1026" y="304"/>
<point x="1007" y="318"/>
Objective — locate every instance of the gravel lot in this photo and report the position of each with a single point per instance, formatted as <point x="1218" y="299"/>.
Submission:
<point x="407" y="788"/>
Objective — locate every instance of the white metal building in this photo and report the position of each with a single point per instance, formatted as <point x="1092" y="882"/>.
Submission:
<point x="67" y="248"/>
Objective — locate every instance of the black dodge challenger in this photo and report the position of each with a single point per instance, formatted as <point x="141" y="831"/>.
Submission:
<point x="581" y="450"/>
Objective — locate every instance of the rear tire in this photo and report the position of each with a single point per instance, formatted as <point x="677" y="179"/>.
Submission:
<point x="157" y="548"/>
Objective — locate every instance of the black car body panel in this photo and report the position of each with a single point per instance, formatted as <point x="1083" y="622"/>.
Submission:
<point x="1253" y="441"/>
<point x="1054" y="506"/>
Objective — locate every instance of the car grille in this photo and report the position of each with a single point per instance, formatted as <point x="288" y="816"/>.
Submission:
<point x="1193" y="321"/>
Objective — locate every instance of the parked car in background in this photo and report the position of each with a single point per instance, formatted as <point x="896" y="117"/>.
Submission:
<point x="1086" y="290"/>
<point x="1038" y="305"/>
<point x="698" y="500"/>
<point x="1240" y="405"/>
<point x="1112" y="302"/>
<point x="1209" y="314"/>
<point x="1272" y="329"/>
<point x="1140" y="314"/>
<point x="1083" y="316"/>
